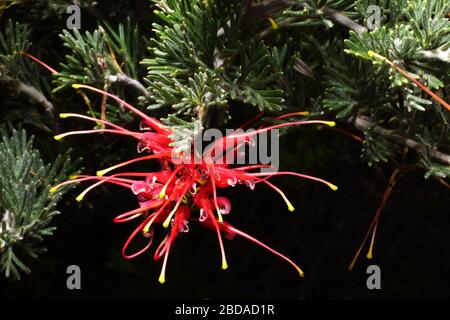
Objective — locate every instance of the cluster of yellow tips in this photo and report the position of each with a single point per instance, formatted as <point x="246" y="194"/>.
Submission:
<point x="291" y="208"/>
<point x="100" y="178"/>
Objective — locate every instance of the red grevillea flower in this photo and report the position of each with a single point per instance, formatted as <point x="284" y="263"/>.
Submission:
<point x="181" y="191"/>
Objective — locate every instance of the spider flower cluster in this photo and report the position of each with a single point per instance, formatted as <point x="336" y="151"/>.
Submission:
<point x="182" y="191"/>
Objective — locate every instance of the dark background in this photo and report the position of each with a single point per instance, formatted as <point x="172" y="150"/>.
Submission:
<point x="322" y="235"/>
<point x="412" y="247"/>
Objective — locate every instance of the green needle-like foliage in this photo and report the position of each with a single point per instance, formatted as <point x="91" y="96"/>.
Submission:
<point x="202" y="44"/>
<point x="97" y="55"/>
<point x="26" y="206"/>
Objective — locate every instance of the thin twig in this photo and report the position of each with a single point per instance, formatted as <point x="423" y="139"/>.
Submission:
<point x="343" y="20"/>
<point x="122" y="78"/>
<point x="34" y="94"/>
<point x="261" y="10"/>
<point x="363" y="123"/>
<point x="437" y="54"/>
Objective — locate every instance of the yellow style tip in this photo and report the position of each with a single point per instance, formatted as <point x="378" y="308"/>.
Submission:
<point x="77" y="86"/>
<point x="73" y="177"/>
<point x="58" y="137"/>
<point x="291" y="208"/>
<point x="166" y="223"/>
<point x="302" y="274"/>
<point x="162" y="279"/>
<point x="80" y="198"/>
<point x="333" y="187"/>
<point x="330" y="123"/>
<point x="64" y="115"/>
<point x="53" y="190"/>
<point x="274" y="24"/>
<point x="146" y="229"/>
<point x="373" y="54"/>
<point x="101" y="173"/>
<point x="369" y="255"/>
<point x="224" y="265"/>
<point x="303" y="113"/>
